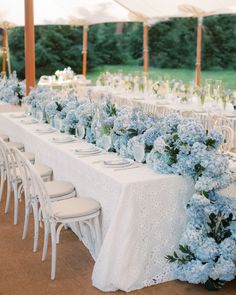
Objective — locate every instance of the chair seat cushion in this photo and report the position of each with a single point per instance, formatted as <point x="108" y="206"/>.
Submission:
<point x="43" y="170"/>
<point x="17" y="145"/>
<point x="59" y="188"/>
<point x="74" y="207"/>
<point x="29" y="156"/>
<point x="4" y="137"/>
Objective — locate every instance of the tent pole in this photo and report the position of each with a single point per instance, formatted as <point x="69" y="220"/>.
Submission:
<point x="29" y="46"/>
<point x="8" y="57"/>
<point x="85" y="47"/>
<point x="145" y="48"/>
<point x="4" y="52"/>
<point x="199" y="48"/>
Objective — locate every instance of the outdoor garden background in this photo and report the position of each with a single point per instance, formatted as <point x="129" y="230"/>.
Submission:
<point x="112" y="47"/>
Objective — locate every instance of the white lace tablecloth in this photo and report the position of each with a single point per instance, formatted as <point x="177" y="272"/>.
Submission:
<point x="143" y="213"/>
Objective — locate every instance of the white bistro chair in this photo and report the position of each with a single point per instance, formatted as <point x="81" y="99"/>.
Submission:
<point x="59" y="213"/>
<point x="4" y="137"/>
<point x="13" y="177"/>
<point x="18" y="145"/>
<point x="228" y="135"/>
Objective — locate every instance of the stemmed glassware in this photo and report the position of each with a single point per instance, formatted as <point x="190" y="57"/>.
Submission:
<point x="209" y="87"/>
<point x="79" y="131"/>
<point x="106" y="142"/>
<point x="139" y="152"/>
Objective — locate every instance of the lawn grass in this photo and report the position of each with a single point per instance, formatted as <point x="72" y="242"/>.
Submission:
<point x="227" y="76"/>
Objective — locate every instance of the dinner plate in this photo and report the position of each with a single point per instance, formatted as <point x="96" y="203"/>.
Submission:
<point x="120" y="163"/>
<point x="88" y="150"/>
<point x="45" y="130"/>
<point x="29" y="121"/>
<point x="18" y="115"/>
<point x="65" y="139"/>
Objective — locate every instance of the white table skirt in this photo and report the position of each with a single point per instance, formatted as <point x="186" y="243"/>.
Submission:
<point x="143" y="213"/>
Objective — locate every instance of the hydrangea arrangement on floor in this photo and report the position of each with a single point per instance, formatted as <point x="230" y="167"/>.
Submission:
<point x="207" y="251"/>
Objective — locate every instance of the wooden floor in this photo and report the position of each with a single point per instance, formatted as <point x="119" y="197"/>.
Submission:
<point x="23" y="273"/>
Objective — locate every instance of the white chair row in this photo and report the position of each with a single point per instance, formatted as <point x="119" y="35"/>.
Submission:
<point x="57" y="201"/>
<point x="215" y="122"/>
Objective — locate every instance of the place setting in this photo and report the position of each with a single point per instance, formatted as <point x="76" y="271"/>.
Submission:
<point x="120" y="164"/>
<point x="29" y="121"/>
<point x="45" y="130"/>
<point x="62" y="139"/>
<point x="18" y="115"/>
<point x="88" y="151"/>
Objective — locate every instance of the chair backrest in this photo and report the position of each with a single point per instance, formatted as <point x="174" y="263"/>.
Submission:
<point x="33" y="183"/>
<point x="201" y="118"/>
<point x="228" y="135"/>
<point x="9" y="161"/>
<point x="213" y="121"/>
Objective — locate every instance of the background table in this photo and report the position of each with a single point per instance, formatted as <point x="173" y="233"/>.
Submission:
<point x="151" y="104"/>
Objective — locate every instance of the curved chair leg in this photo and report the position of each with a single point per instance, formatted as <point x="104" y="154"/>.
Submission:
<point x="54" y="250"/>
<point x="20" y="191"/>
<point x="26" y="221"/>
<point x="40" y="216"/>
<point x="16" y="203"/>
<point x="59" y="231"/>
<point x="45" y="242"/>
<point x="36" y="224"/>
<point x="8" y="197"/>
<point x="3" y="178"/>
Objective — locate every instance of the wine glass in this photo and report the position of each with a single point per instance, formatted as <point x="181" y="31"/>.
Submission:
<point x="139" y="152"/>
<point x="106" y="142"/>
<point x="209" y="87"/>
<point x="39" y="116"/>
<point x="218" y="89"/>
<point x="58" y="123"/>
<point x="80" y="131"/>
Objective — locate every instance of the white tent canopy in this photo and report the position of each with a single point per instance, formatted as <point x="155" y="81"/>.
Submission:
<point x="150" y="9"/>
<point x="64" y="12"/>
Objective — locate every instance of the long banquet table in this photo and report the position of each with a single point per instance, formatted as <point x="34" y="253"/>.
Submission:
<point x="143" y="213"/>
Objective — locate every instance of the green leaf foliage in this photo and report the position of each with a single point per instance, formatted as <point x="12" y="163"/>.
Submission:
<point x="172" y="44"/>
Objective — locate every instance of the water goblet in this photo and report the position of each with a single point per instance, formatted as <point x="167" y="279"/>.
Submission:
<point x="39" y="116"/>
<point x="80" y="131"/>
<point x="58" y="123"/>
<point x="106" y="142"/>
<point x="139" y="152"/>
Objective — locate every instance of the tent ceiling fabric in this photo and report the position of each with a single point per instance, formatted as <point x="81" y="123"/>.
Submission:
<point x="87" y="12"/>
<point x="149" y="9"/>
<point x="65" y="12"/>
